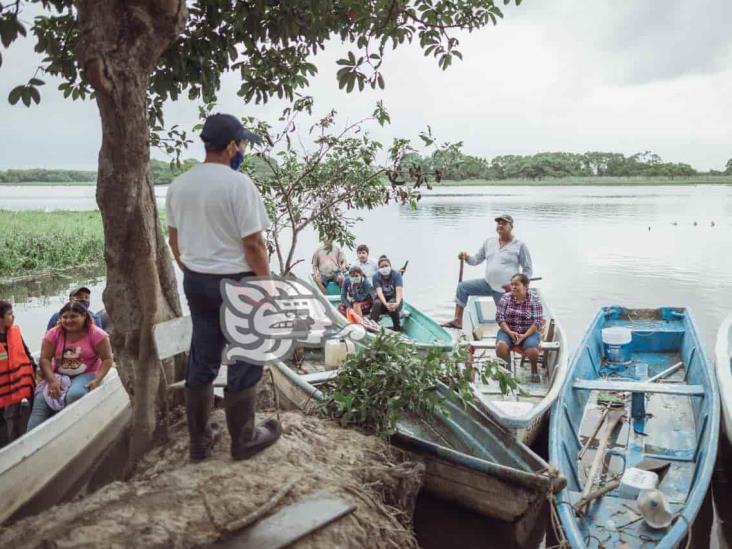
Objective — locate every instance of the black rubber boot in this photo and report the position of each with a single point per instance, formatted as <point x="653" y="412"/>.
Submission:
<point x="203" y="437"/>
<point x="246" y="440"/>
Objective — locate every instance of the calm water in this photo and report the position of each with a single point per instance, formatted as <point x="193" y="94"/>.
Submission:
<point x="634" y="246"/>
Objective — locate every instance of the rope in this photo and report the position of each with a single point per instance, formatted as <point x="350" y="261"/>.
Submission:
<point x="557" y="524"/>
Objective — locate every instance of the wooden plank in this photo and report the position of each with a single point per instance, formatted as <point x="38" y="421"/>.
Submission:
<point x="491" y="344"/>
<point x="220" y="380"/>
<point x="640" y="387"/>
<point x="173" y="337"/>
<point x="291" y="523"/>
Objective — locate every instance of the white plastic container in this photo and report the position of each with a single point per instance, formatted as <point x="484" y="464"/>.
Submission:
<point x="336" y="351"/>
<point x="635" y="480"/>
<point x="616" y="342"/>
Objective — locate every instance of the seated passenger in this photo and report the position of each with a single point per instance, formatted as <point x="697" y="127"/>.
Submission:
<point x="368" y="266"/>
<point x="329" y="264"/>
<point x="520" y="316"/>
<point x="17" y="377"/>
<point x="389" y="290"/>
<point x="356" y="293"/>
<point x="76" y="348"/>
<point x="82" y="295"/>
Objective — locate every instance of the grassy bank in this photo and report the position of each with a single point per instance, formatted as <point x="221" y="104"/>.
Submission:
<point x="594" y="181"/>
<point x="41" y="241"/>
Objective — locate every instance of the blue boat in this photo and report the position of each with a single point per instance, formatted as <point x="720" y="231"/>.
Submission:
<point x="665" y="405"/>
<point x="418" y="327"/>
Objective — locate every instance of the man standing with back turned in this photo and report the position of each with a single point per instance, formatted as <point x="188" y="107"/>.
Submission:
<point x="215" y="221"/>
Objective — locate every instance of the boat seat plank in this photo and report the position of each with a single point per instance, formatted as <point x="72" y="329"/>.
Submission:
<point x="639" y="387"/>
<point x="488" y="344"/>
<point x="291" y="523"/>
<point x="173" y="337"/>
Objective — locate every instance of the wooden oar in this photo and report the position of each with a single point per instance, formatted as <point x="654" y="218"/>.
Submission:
<point x="594" y="434"/>
<point x="462" y="264"/>
<point x="613" y="418"/>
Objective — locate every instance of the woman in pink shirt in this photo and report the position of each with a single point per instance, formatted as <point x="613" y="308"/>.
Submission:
<point x="77" y="348"/>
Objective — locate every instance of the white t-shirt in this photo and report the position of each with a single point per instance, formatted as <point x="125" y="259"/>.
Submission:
<point x="502" y="262"/>
<point x="213" y="208"/>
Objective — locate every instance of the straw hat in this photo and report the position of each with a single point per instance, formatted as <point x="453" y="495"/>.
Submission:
<point x="652" y="505"/>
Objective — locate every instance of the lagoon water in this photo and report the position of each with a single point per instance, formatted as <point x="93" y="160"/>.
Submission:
<point x="592" y="246"/>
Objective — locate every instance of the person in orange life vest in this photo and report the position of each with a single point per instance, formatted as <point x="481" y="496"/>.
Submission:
<point x="17" y="377"/>
<point x="76" y="348"/>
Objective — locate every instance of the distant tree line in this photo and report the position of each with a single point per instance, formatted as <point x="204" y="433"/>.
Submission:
<point x="452" y="164"/>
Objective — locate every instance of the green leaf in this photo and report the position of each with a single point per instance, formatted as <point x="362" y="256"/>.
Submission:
<point x="35" y="94"/>
<point x="15" y="94"/>
<point x="26" y="96"/>
<point x="36" y="82"/>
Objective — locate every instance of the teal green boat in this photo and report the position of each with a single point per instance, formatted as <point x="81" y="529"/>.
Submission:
<point x="418" y="327"/>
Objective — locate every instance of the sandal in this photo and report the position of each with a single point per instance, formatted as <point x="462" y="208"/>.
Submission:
<point x="451" y="324"/>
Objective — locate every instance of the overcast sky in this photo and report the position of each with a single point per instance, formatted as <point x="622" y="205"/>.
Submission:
<point x="553" y="75"/>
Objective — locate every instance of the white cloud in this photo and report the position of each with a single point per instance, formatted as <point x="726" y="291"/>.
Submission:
<point x="554" y="75"/>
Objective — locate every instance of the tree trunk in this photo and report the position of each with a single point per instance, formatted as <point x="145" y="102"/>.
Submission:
<point x="120" y="44"/>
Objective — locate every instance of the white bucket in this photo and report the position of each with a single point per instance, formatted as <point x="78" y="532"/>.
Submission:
<point x="616" y="342"/>
<point x="336" y="351"/>
<point x="634" y="480"/>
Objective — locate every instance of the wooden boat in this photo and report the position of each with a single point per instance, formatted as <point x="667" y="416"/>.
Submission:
<point x="723" y="366"/>
<point x="470" y="460"/>
<point x="672" y="416"/>
<point x="54" y="461"/>
<point x="524" y="415"/>
<point x="416" y="326"/>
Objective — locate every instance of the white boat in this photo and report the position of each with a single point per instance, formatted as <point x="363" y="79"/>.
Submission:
<point x="723" y="366"/>
<point x="524" y="415"/>
<point x="54" y="461"/>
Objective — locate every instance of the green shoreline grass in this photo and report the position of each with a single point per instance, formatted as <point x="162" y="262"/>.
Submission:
<point x="34" y="240"/>
<point x="594" y="181"/>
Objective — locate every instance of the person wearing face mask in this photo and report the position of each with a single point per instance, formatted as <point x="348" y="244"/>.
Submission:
<point x="389" y="291"/>
<point x="83" y="296"/>
<point x="356" y="293"/>
<point x="216" y="218"/>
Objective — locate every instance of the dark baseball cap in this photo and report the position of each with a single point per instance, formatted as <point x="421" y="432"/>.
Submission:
<point x="504" y="217"/>
<point x="82" y="289"/>
<point x="221" y="129"/>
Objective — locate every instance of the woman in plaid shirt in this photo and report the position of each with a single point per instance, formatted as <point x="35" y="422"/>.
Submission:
<point x="520" y="317"/>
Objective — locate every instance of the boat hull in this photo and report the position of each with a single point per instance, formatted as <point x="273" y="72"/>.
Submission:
<point x="723" y="369"/>
<point x="676" y="421"/>
<point x="420" y="329"/>
<point x="525" y="417"/>
<point x="489" y="488"/>
<point x="53" y="462"/>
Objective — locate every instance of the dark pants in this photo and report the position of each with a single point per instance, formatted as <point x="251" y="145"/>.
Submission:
<point x="379" y="309"/>
<point x="13" y="422"/>
<point x="208" y="341"/>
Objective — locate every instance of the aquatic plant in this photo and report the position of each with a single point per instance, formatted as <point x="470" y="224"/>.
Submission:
<point x="390" y="376"/>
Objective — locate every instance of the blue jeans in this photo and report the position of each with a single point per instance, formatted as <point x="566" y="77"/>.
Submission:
<point x="42" y="411"/>
<point x="478" y="286"/>
<point x="208" y="341"/>
<point x="336" y="277"/>
<point x="532" y="341"/>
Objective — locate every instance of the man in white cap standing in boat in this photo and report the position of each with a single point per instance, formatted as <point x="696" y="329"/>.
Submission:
<point x="216" y="218"/>
<point x="505" y="255"/>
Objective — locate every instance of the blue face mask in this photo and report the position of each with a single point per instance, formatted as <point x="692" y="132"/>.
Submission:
<point x="237" y="161"/>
